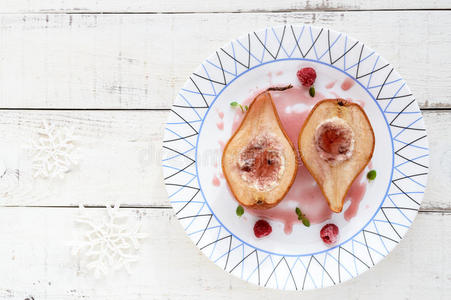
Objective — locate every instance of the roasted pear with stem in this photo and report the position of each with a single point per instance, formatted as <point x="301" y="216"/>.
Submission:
<point x="259" y="161"/>
<point x="336" y="143"/>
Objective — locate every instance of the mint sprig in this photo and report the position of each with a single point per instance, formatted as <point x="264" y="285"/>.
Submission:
<point x="302" y="217"/>
<point x="371" y="175"/>
<point x="311" y="91"/>
<point x="239" y="211"/>
<point x="236" y="104"/>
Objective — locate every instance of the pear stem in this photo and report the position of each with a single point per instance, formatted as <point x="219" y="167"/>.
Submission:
<point x="279" y="88"/>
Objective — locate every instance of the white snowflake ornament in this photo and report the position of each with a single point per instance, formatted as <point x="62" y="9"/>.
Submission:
<point x="109" y="244"/>
<point x="53" y="151"/>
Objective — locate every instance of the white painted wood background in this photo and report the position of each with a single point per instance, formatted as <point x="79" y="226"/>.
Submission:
<point x="111" y="69"/>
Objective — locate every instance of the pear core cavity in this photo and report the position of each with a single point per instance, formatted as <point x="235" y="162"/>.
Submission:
<point x="334" y="140"/>
<point x="261" y="163"/>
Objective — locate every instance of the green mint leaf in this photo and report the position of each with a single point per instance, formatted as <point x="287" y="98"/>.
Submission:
<point x="305" y="221"/>
<point x="311" y="91"/>
<point x="298" y="211"/>
<point x="239" y="211"/>
<point x="234" y="104"/>
<point x="246" y="107"/>
<point x="371" y="175"/>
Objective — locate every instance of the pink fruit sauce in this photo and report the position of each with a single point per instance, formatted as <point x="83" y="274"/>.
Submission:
<point x="347" y="84"/>
<point x="220" y="125"/>
<point x="355" y="194"/>
<point x="221" y="145"/>
<point x="269" y="74"/>
<point x="216" y="181"/>
<point x="330" y="84"/>
<point x="293" y="106"/>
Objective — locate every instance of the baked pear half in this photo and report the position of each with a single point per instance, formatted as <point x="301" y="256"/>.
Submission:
<point x="259" y="161"/>
<point x="336" y="143"/>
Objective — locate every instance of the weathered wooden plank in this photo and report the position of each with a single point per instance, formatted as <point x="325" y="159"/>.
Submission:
<point x="158" y="6"/>
<point x="36" y="261"/>
<point x="120" y="157"/>
<point x="141" y="61"/>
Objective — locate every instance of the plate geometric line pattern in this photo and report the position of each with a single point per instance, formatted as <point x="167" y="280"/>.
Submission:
<point x="397" y="210"/>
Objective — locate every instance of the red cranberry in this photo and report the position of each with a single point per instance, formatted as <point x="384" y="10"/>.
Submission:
<point x="262" y="228"/>
<point x="329" y="234"/>
<point x="306" y="76"/>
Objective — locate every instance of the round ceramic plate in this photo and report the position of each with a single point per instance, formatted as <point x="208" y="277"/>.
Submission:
<point x="201" y="120"/>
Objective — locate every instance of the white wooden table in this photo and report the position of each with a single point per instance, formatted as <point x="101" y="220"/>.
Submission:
<point x="110" y="69"/>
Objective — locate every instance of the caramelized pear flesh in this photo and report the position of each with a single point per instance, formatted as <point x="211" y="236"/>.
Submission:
<point x="336" y="143"/>
<point x="259" y="162"/>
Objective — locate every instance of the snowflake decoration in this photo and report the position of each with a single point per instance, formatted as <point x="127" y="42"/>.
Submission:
<point x="109" y="244"/>
<point x="52" y="151"/>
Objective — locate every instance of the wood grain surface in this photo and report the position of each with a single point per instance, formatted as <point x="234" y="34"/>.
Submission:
<point x="195" y="6"/>
<point x="38" y="263"/>
<point x="140" y="61"/>
<point x="110" y="70"/>
<point x="120" y="157"/>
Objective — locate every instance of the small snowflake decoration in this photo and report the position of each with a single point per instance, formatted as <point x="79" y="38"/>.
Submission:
<point x="109" y="244"/>
<point x="52" y="151"/>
